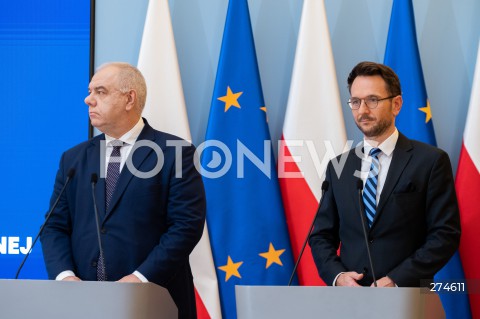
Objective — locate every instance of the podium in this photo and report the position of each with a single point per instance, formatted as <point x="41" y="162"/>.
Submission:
<point x="283" y="302"/>
<point x="21" y="299"/>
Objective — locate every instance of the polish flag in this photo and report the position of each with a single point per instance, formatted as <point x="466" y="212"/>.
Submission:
<point x="468" y="187"/>
<point x="165" y="111"/>
<point x="313" y="132"/>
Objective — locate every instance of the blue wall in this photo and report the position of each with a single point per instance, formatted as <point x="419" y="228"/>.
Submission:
<point x="448" y="32"/>
<point x="44" y="48"/>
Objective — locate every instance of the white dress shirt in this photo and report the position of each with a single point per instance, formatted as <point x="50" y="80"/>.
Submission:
<point x="128" y="140"/>
<point x="384" y="157"/>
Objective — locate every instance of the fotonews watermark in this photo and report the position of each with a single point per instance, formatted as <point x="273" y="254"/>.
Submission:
<point x="215" y="159"/>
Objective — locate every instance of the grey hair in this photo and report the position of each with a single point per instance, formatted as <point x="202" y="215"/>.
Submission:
<point x="129" y="78"/>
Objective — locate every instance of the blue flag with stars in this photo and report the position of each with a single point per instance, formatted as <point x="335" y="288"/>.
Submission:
<point x="415" y="121"/>
<point x="402" y="55"/>
<point x="245" y="216"/>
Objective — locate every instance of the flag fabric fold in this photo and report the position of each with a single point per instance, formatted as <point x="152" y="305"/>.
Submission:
<point x="313" y="132"/>
<point x="468" y="187"/>
<point x="165" y="111"/>
<point x="244" y="210"/>
<point x="415" y="121"/>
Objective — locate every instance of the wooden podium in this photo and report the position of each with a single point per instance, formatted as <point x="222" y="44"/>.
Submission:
<point x="282" y="302"/>
<point x="21" y="299"/>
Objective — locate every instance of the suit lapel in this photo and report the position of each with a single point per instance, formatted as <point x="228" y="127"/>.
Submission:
<point x="401" y="157"/>
<point x="136" y="157"/>
<point x="95" y="161"/>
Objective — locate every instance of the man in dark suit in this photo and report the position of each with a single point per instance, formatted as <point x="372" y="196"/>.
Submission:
<point x="151" y="203"/>
<point x="409" y="201"/>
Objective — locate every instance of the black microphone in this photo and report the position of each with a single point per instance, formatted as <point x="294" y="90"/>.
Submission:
<point x="70" y="174"/>
<point x="362" y="216"/>
<point x="94" y="180"/>
<point x="325" y="185"/>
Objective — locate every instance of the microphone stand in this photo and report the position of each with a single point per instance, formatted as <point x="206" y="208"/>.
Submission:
<point x="362" y="217"/>
<point x="324" y="189"/>
<point x="94" y="180"/>
<point x="70" y="174"/>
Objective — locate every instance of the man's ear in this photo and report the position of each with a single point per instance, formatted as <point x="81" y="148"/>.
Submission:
<point x="131" y="100"/>
<point x="397" y="103"/>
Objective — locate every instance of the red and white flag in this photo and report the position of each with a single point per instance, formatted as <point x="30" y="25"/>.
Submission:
<point x="313" y="131"/>
<point x="468" y="188"/>
<point x="165" y="111"/>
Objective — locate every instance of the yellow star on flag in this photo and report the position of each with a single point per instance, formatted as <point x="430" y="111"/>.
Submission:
<point x="428" y="112"/>
<point x="272" y="256"/>
<point x="264" y="109"/>
<point x="231" y="99"/>
<point x="231" y="269"/>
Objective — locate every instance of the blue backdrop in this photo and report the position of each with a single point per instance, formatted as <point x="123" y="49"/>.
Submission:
<point x="44" y="57"/>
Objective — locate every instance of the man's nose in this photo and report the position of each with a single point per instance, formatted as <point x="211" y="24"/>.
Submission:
<point x="89" y="100"/>
<point x="363" y="107"/>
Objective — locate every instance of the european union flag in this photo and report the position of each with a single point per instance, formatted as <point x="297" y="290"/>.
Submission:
<point x="415" y="121"/>
<point x="245" y="217"/>
<point x="402" y="55"/>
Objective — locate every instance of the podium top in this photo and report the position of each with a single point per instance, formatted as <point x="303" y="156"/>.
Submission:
<point x="283" y="302"/>
<point x="84" y="299"/>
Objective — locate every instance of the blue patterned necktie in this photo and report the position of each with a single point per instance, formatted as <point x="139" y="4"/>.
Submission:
<point x="370" y="189"/>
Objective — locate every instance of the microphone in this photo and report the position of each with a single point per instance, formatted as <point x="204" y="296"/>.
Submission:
<point x="362" y="216"/>
<point x="325" y="185"/>
<point x="70" y="175"/>
<point x="94" y="180"/>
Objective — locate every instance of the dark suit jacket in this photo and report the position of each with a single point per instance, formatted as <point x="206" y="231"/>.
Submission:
<point x="152" y="224"/>
<point x="416" y="228"/>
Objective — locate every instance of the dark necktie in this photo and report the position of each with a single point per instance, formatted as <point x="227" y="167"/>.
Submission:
<point x="113" y="172"/>
<point x="370" y="189"/>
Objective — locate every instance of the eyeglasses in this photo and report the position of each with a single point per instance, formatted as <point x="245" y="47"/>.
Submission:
<point x="371" y="102"/>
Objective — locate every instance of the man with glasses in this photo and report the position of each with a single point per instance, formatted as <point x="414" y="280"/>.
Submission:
<point x="405" y="201"/>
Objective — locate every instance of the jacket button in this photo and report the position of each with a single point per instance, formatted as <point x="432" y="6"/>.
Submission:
<point x="370" y="240"/>
<point x="103" y="231"/>
<point x="94" y="264"/>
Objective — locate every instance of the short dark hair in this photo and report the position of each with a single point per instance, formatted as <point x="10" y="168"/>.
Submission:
<point x="367" y="68"/>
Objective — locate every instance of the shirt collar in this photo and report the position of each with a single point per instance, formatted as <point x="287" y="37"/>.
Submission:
<point x="386" y="147"/>
<point x="131" y="136"/>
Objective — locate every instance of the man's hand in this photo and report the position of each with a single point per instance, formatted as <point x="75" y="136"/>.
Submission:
<point x="130" y="278"/>
<point x="385" y="282"/>
<point x="349" y="279"/>
<point x="71" y="278"/>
